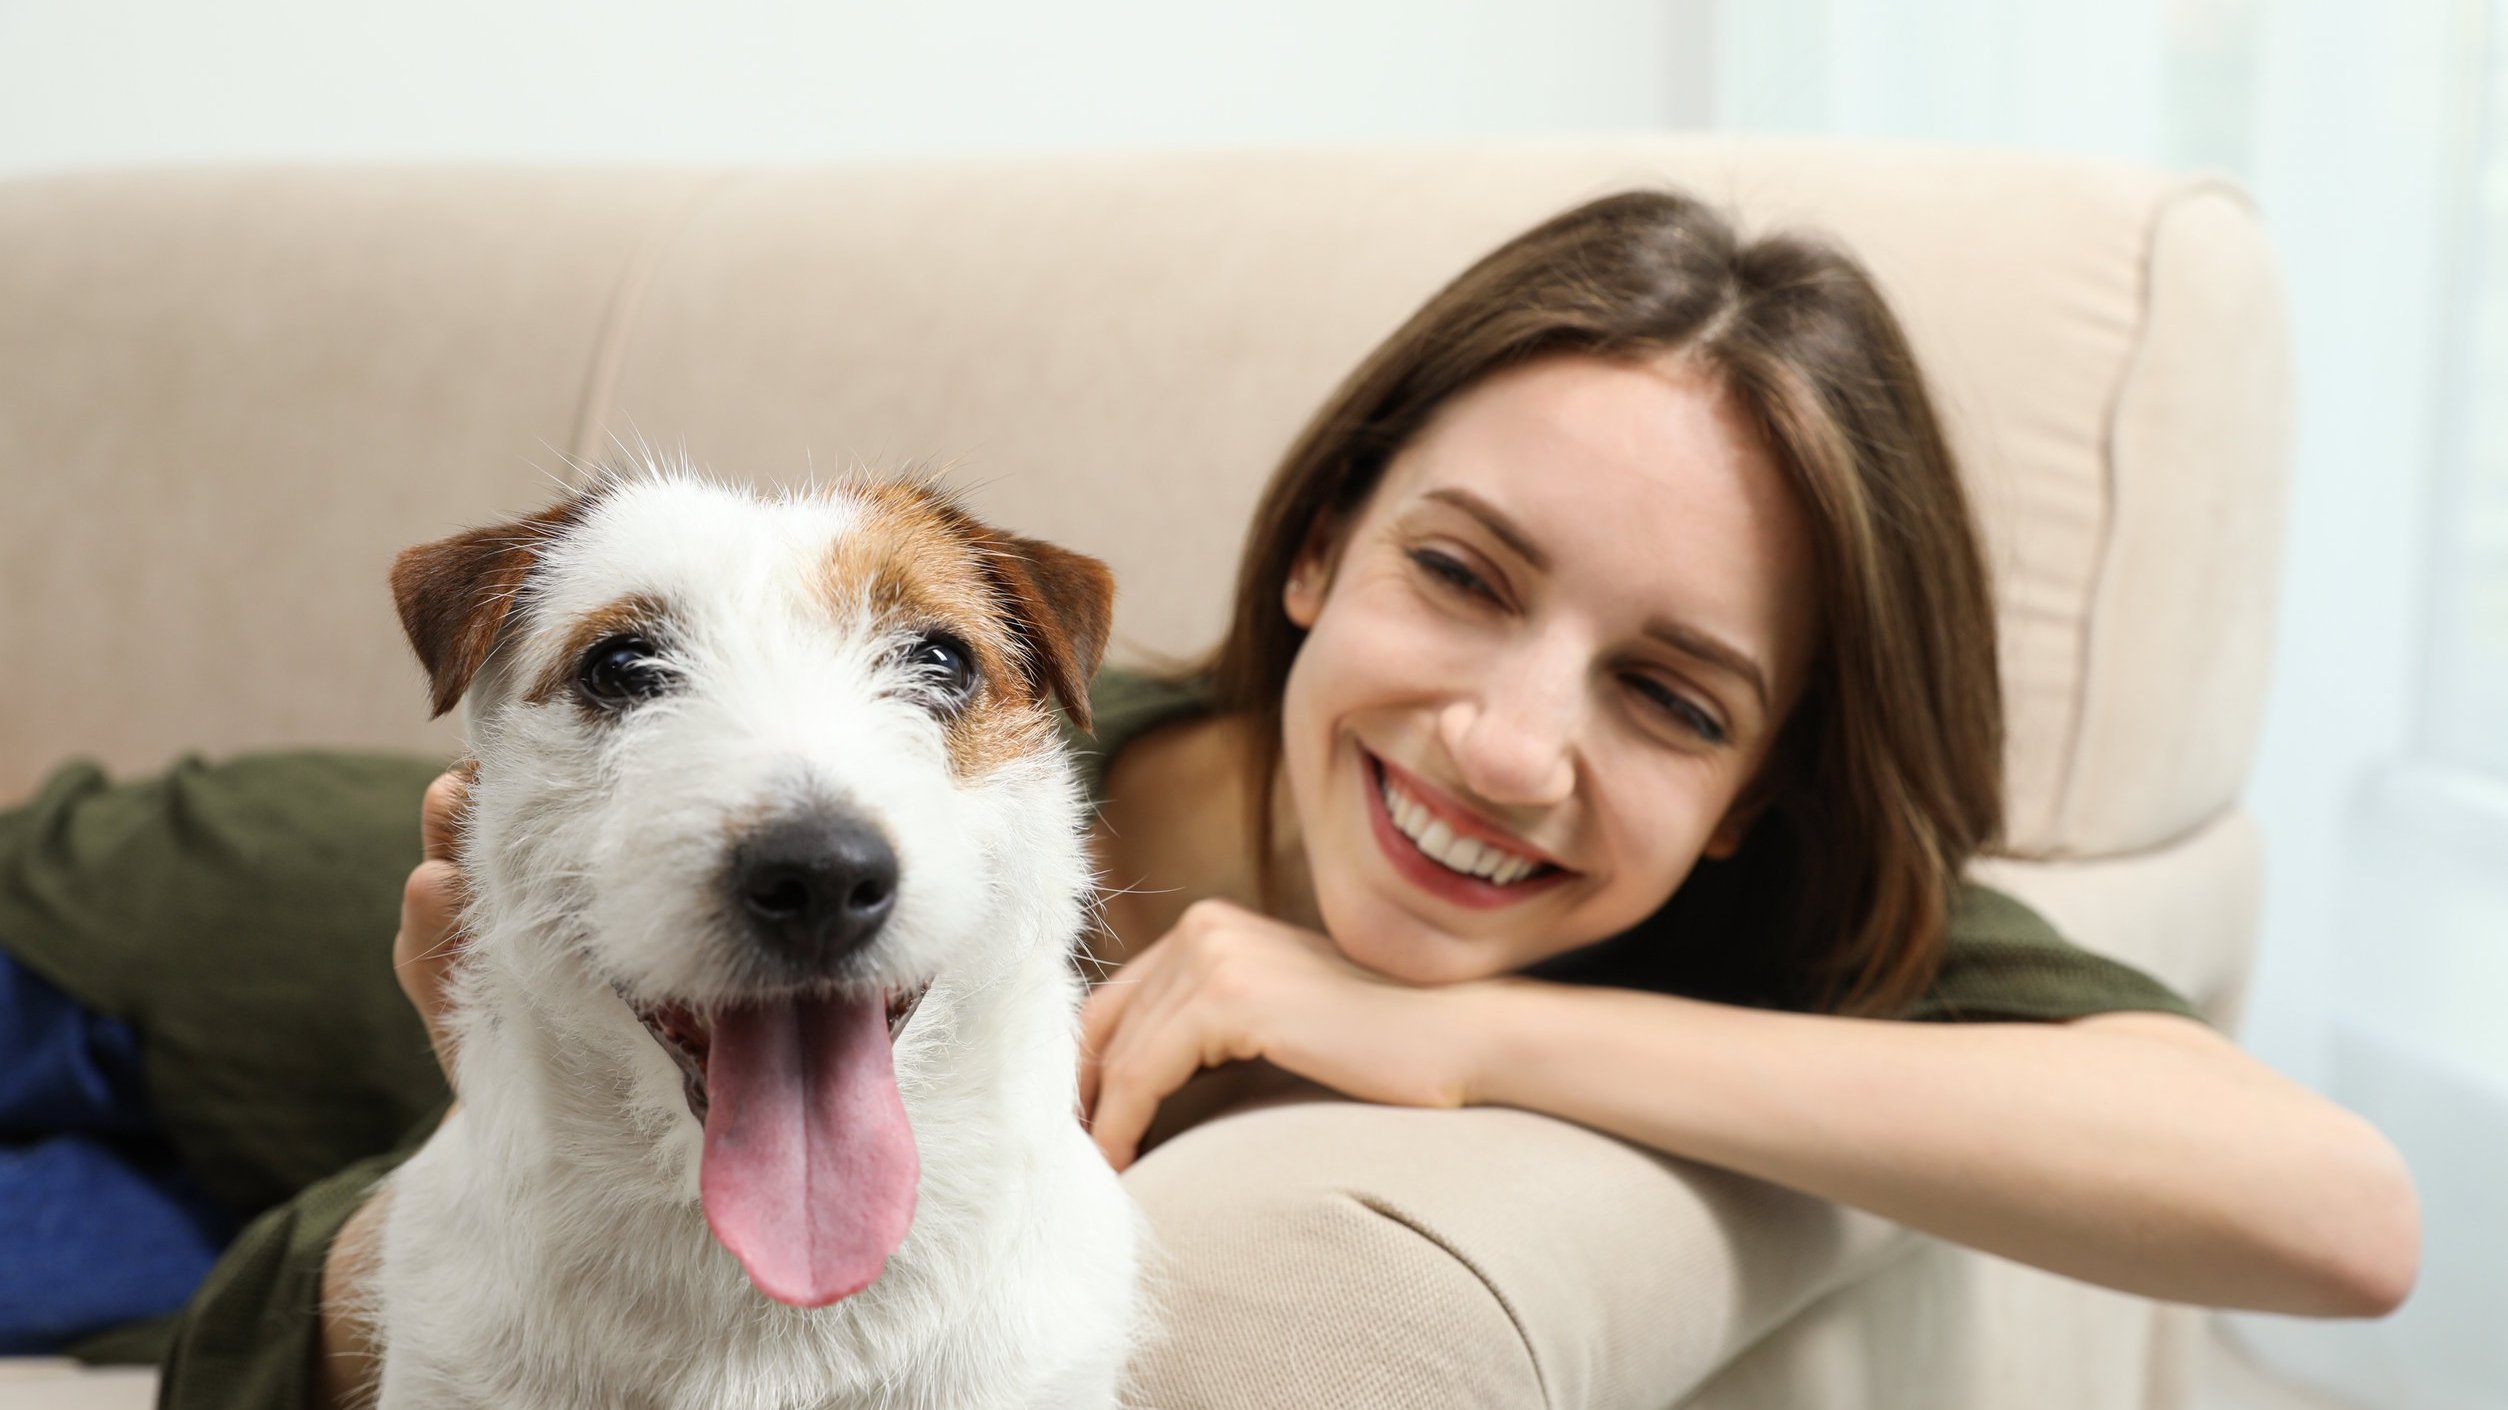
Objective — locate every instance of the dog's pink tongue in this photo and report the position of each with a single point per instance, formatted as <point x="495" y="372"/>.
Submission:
<point x="810" y="1168"/>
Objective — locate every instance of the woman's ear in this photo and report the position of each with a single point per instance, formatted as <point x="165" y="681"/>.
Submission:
<point x="1747" y="808"/>
<point x="1302" y="596"/>
<point x="1729" y="835"/>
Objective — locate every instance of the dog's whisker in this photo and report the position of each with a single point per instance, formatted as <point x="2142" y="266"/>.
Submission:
<point x="454" y="939"/>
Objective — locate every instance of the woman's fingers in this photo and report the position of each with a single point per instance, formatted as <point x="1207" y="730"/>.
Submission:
<point x="440" y="815"/>
<point x="1112" y="1024"/>
<point x="1156" y="1052"/>
<point x="1101" y="1017"/>
<point x="1088" y="1071"/>
<point x="427" y="947"/>
<point x="430" y="939"/>
<point x="430" y="935"/>
<point x="1104" y="1013"/>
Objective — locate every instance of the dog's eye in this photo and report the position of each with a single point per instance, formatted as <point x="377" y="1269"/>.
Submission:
<point x="946" y="666"/>
<point x="621" y="670"/>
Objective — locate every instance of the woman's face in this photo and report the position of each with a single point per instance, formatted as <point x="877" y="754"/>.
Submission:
<point x="1542" y="666"/>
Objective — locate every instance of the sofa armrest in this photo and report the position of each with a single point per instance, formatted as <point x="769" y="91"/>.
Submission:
<point x="1463" y="1258"/>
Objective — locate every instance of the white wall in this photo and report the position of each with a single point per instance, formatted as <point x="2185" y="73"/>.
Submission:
<point x="115" y="81"/>
<point x="2352" y="139"/>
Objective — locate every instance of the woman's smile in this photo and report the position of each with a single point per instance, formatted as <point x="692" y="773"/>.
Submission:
<point x="1443" y="849"/>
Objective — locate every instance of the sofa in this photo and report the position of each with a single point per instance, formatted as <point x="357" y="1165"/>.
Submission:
<point x="228" y="396"/>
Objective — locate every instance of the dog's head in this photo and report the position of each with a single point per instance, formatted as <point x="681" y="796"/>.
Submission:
<point x="767" y="769"/>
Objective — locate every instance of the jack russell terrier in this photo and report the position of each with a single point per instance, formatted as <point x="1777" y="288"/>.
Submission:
<point x="767" y="1032"/>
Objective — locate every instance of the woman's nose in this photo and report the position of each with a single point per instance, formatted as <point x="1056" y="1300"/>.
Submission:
<point x="1515" y="741"/>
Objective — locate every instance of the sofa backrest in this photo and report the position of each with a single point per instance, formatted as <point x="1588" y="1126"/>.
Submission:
<point x="228" y="397"/>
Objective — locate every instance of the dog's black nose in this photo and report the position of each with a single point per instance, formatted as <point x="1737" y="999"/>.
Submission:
<point x="815" y="888"/>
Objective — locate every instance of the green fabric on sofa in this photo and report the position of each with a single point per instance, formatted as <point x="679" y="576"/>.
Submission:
<point x="162" y="902"/>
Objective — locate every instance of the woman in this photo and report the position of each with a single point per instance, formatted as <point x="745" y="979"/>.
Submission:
<point x="1611" y="695"/>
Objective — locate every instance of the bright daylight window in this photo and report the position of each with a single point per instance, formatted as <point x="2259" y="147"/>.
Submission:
<point x="2469" y="645"/>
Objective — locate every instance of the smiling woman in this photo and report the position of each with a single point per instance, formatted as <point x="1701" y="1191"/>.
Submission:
<point x="1647" y="540"/>
<point x="1611" y="699"/>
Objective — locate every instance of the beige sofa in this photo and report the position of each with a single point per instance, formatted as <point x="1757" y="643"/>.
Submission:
<point x="227" y="397"/>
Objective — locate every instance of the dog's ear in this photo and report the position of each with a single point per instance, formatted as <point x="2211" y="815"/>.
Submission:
<point x="454" y="594"/>
<point x="1062" y="607"/>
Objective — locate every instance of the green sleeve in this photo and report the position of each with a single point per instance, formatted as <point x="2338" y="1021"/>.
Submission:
<point x="2002" y="962"/>
<point x="248" y="1337"/>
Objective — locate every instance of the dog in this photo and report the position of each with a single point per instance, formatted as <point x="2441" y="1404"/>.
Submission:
<point x="766" y="1031"/>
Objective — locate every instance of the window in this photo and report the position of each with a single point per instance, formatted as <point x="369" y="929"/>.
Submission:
<point x="2468" y="722"/>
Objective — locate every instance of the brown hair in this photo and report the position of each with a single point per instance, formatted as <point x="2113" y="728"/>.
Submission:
<point x="1888" y="774"/>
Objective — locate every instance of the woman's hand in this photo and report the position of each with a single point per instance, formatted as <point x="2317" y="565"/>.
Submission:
<point x="1230" y="984"/>
<point x="430" y="940"/>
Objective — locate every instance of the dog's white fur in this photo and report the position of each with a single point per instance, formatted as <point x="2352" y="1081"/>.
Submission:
<point x="546" y="1249"/>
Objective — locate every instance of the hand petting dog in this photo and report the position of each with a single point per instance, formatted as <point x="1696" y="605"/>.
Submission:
<point x="1229" y="984"/>
<point x="429" y="942"/>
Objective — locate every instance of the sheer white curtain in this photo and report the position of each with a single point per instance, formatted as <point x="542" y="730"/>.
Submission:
<point x="2372" y="135"/>
<point x="2468" y="720"/>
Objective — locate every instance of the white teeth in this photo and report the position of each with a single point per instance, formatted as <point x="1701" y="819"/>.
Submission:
<point x="1467" y="855"/>
<point x="1436" y="839"/>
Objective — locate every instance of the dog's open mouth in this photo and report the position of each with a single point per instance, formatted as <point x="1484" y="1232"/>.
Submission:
<point x="685" y="1036"/>
<point x="809" y="1169"/>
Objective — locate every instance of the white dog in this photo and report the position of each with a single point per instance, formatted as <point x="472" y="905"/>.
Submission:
<point x="767" y="1032"/>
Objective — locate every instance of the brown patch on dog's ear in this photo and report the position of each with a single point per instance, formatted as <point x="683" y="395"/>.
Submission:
<point x="1062" y="608"/>
<point x="454" y="594"/>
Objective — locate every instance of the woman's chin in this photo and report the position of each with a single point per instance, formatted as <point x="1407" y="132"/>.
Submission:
<point x="1390" y="941"/>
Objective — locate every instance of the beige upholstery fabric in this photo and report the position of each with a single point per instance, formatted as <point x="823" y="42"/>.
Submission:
<point x="294" y="372"/>
<point x="1504" y="1258"/>
<point x="1948" y="1327"/>
<point x="227" y="397"/>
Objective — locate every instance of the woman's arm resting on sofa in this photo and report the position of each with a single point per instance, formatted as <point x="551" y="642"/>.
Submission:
<point x="2140" y="1151"/>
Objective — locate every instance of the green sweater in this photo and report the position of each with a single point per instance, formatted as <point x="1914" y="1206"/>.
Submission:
<point x="239" y="915"/>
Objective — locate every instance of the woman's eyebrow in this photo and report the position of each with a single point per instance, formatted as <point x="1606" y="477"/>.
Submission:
<point x="1702" y="647"/>
<point x="1496" y="523"/>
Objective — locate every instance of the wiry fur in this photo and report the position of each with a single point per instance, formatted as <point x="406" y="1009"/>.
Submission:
<point x="547" y="1248"/>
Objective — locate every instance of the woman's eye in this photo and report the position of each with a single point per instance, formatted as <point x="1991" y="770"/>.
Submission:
<point x="1454" y="574"/>
<point x="946" y="666"/>
<point x="619" y="671"/>
<point x="1684" y="712"/>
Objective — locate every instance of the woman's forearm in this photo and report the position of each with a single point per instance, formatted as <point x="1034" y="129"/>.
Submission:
<point x="2138" y="1151"/>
